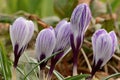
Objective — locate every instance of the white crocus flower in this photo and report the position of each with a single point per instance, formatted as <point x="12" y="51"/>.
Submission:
<point x="104" y="45"/>
<point x="21" y="32"/>
<point x="45" y="43"/>
<point x="79" y="22"/>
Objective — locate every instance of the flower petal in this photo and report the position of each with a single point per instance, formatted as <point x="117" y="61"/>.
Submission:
<point x="19" y="32"/>
<point x="59" y="26"/>
<point x="63" y="36"/>
<point x="80" y="18"/>
<point x="45" y="42"/>
<point x="30" y="25"/>
<point x="114" y="40"/>
<point x="104" y="45"/>
<point x="95" y="36"/>
<point x="103" y="48"/>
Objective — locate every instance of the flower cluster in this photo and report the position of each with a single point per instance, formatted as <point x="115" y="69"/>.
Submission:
<point x="64" y="37"/>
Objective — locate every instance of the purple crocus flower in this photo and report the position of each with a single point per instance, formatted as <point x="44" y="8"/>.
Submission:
<point x="21" y="33"/>
<point x="104" y="45"/>
<point x="80" y="19"/>
<point x="45" y="43"/>
<point x="63" y="32"/>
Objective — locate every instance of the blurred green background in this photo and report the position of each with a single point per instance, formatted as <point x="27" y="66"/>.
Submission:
<point x="42" y="8"/>
<point x="51" y="9"/>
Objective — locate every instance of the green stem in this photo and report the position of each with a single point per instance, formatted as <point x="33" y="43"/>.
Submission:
<point x="113" y="75"/>
<point x="14" y="74"/>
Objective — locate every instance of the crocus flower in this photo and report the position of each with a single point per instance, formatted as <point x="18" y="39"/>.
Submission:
<point x="80" y="19"/>
<point x="45" y="43"/>
<point x="63" y="32"/>
<point x="104" y="45"/>
<point x="21" y="33"/>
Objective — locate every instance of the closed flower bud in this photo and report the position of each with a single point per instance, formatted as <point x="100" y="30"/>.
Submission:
<point x="45" y="43"/>
<point x="62" y="32"/>
<point x="79" y="21"/>
<point x="104" y="45"/>
<point x="21" y="33"/>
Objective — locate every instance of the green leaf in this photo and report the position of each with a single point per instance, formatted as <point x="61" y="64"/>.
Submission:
<point x="5" y="64"/>
<point x="113" y="75"/>
<point x="22" y="72"/>
<point x="78" y="77"/>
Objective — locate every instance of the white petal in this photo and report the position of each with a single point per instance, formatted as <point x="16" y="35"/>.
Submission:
<point x="12" y="36"/>
<point x="94" y="38"/>
<point x="114" y="40"/>
<point x="103" y="48"/>
<point x="45" y="42"/>
<point x="80" y="19"/>
<point x="20" y="33"/>
<point x="63" y="36"/>
<point x="59" y="25"/>
<point x="30" y="26"/>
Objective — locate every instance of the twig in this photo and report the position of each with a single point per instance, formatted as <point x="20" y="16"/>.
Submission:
<point x="39" y="21"/>
<point x="86" y="41"/>
<point x="11" y="18"/>
<point x="86" y="59"/>
<point x="112" y="68"/>
<point x="106" y="68"/>
<point x="116" y="57"/>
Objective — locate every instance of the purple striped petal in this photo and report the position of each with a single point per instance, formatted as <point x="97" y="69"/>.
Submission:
<point x="63" y="38"/>
<point x="104" y="45"/>
<point x="95" y="36"/>
<point x="21" y="33"/>
<point x="59" y="25"/>
<point x="45" y="43"/>
<point x="63" y="35"/>
<point x="30" y="24"/>
<point x="80" y="19"/>
<point x="103" y="48"/>
<point x="114" y="40"/>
